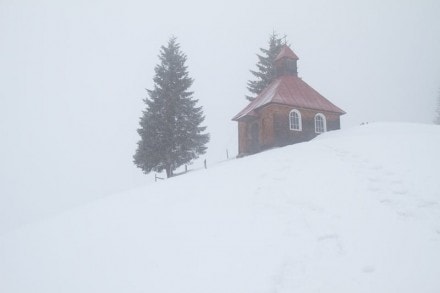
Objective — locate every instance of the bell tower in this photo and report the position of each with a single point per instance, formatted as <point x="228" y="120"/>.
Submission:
<point x="286" y="62"/>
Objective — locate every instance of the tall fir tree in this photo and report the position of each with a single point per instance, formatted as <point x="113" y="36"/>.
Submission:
<point x="437" y="111"/>
<point x="266" y="71"/>
<point x="170" y="128"/>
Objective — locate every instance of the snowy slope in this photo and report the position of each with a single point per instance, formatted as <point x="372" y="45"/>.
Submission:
<point x="352" y="211"/>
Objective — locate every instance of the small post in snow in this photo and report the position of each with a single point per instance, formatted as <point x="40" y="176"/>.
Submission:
<point x="157" y="177"/>
<point x="204" y="163"/>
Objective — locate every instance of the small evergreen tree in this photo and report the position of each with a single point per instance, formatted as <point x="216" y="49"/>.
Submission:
<point x="266" y="70"/>
<point x="170" y="128"/>
<point x="437" y="111"/>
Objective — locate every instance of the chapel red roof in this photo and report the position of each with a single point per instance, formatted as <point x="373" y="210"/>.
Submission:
<point x="292" y="91"/>
<point x="286" y="52"/>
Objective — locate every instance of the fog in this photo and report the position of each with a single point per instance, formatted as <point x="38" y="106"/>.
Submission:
<point x="74" y="75"/>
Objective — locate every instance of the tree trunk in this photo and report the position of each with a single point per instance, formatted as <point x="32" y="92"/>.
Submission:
<point x="169" y="172"/>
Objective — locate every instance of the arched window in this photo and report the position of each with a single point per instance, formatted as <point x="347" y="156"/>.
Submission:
<point x="320" y="123"/>
<point x="295" y="122"/>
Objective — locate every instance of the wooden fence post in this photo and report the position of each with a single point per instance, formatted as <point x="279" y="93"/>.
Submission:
<point x="157" y="177"/>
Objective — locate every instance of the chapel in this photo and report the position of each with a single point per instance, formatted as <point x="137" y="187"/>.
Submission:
<point x="287" y="111"/>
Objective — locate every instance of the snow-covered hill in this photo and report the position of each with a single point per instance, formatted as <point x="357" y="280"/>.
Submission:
<point x="352" y="211"/>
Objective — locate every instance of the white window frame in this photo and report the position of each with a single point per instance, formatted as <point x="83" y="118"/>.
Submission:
<point x="291" y="117"/>
<point x="324" y="123"/>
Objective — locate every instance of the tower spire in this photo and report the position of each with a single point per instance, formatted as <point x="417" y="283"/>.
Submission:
<point x="286" y="62"/>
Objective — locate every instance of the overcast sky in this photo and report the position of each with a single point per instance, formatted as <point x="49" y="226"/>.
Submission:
<point x="73" y="76"/>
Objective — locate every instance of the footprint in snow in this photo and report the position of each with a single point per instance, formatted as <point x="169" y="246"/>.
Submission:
<point x="373" y="178"/>
<point x="427" y="204"/>
<point x="376" y="167"/>
<point x="389" y="173"/>
<point x="331" y="242"/>
<point x="373" y="186"/>
<point x="386" y="201"/>
<point x="368" y="269"/>
<point x="328" y="236"/>
<point x="398" y="188"/>
<point x="405" y="214"/>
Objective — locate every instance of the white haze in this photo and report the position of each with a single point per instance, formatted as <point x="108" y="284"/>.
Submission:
<point x="73" y="76"/>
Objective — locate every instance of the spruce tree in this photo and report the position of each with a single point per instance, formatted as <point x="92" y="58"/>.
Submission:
<point x="265" y="65"/>
<point x="437" y="111"/>
<point x="170" y="128"/>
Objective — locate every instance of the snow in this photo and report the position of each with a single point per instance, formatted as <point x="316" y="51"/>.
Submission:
<point x="356" y="210"/>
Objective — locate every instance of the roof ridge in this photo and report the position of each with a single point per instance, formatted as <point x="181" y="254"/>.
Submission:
<point x="286" y="52"/>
